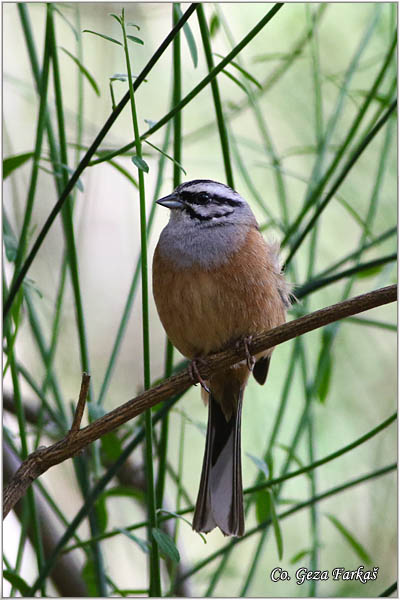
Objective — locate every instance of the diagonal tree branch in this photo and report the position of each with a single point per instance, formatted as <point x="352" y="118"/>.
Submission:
<point x="40" y="461"/>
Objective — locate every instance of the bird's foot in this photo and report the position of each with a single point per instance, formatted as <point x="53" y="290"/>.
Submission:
<point x="195" y="375"/>
<point x="250" y="360"/>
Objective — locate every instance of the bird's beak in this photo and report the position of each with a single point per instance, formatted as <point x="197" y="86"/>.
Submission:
<point x="171" y="201"/>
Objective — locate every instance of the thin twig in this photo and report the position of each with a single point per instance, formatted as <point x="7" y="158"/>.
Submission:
<point x="83" y="394"/>
<point x="44" y="458"/>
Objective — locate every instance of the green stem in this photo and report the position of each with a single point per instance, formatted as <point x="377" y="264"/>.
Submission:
<point x="251" y="490"/>
<point x="288" y="513"/>
<point x="86" y="159"/>
<point x="22" y="244"/>
<point x="155" y="575"/>
<point x="177" y="155"/>
<point x="223" y="134"/>
<point x="199" y="87"/>
<point x="346" y="169"/>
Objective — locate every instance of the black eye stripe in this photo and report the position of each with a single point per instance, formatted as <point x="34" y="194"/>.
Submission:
<point x="203" y="198"/>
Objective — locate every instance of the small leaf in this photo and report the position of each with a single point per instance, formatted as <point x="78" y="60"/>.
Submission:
<point x="10" y="241"/>
<point x="189" y="37"/>
<point x="324" y="365"/>
<point x="130" y="24"/>
<point x="260" y="464"/>
<point x="111" y="446"/>
<point x="70" y="171"/>
<point x="166" y="545"/>
<point x="123" y="490"/>
<point x="140" y="163"/>
<point x="30" y="285"/>
<point x="89" y="577"/>
<point x="17" y="582"/>
<point x="13" y="162"/>
<point x="150" y="123"/>
<point x="105" y="37"/>
<point x="84" y="71"/>
<point x="116" y="17"/>
<point x="297" y="557"/>
<point x="67" y="21"/>
<point x="166" y="156"/>
<point x="135" y="39"/>
<point x="295" y="458"/>
<point x="95" y="411"/>
<point x="245" y="73"/>
<point x="233" y="78"/>
<point x="357" y="547"/>
<point x="370" y="272"/>
<point x="277" y="529"/>
<point x="214" y="24"/>
<point x="141" y="543"/>
<point x="272" y="56"/>
<point x="263" y="506"/>
<point x="101" y="514"/>
<point x="173" y="514"/>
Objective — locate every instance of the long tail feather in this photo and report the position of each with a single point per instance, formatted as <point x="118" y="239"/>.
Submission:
<point x="220" y="497"/>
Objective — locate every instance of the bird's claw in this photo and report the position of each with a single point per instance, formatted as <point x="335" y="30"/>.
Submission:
<point x="195" y="375"/>
<point x="250" y="360"/>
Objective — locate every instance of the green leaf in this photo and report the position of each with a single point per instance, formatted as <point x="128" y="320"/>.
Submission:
<point x="95" y="411"/>
<point x="89" y="577"/>
<point x="150" y="123"/>
<point x="135" y="39"/>
<point x="140" y="163"/>
<point x="130" y="24"/>
<point x="260" y="464"/>
<point x="324" y="365"/>
<point x="297" y="557"/>
<point x="83" y="70"/>
<point x="166" y="545"/>
<point x="127" y="491"/>
<point x="10" y="241"/>
<point x="141" y="543"/>
<point x="67" y="21"/>
<point x="13" y="162"/>
<point x="17" y="582"/>
<point x="111" y="446"/>
<point x="349" y="537"/>
<point x="116" y="17"/>
<point x="263" y="506"/>
<point x="31" y="286"/>
<point x="173" y="514"/>
<point x="277" y="529"/>
<point x="236" y="80"/>
<point x="189" y="37"/>
<point x="166" y="156"/>
<point x="105" y="37"/>
<point x="102" y="514"/>
<point x="245" y="73"/>
<point x="214" y="24"/>
<point x="295" y="458"/>
<point x="372" y="272"/>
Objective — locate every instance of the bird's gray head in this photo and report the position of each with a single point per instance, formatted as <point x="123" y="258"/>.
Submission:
<point x="208" y="221"/>
<point x="207" y="203"/>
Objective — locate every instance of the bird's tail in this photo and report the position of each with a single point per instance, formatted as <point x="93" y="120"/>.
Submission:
<point x="220" y="498"/>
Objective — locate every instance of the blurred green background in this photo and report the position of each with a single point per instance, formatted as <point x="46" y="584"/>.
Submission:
<point x="362" y="384"/>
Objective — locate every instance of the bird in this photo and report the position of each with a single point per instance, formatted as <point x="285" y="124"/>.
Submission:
<point x="217" y="281"/>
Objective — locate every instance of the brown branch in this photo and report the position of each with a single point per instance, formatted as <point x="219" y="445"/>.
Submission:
<point x="44" y="458"/>
<point x="66" y="574"/>
<point x="83" y="394"/>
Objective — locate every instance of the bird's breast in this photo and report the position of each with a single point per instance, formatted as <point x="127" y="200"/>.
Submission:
<point x="204" y="309"/>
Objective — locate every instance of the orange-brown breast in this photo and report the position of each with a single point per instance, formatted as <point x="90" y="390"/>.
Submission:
<point x="204" y="310"/>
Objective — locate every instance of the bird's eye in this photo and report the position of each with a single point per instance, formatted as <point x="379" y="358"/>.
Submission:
<point x="203" y="197"/>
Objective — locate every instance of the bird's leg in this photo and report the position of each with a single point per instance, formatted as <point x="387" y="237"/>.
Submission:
<point x="195" y="375"/>
<point x="251" y="361"/>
